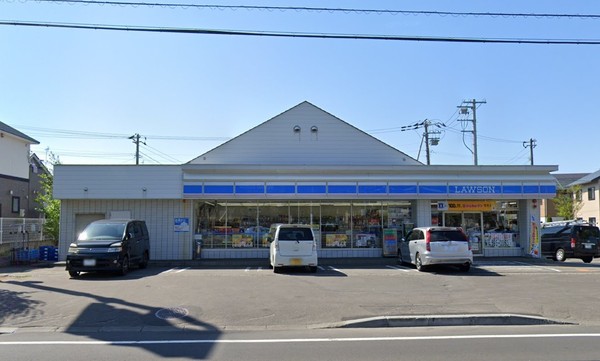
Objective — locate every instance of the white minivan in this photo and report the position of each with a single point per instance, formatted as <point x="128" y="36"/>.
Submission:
<point x="436" y="245"/>
<point x="292" y="245"/>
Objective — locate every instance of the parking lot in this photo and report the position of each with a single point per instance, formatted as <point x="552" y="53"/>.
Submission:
<point x="525" y="266"/>
<point x="254" y="297"/>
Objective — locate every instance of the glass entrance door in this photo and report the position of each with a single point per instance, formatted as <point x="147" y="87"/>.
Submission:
<point x="470" y="223"/>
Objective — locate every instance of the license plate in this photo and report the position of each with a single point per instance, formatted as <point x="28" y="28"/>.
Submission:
<point x="89" y="262"/>
<point x="295" y="261"/>
<point x="588" y="245"/>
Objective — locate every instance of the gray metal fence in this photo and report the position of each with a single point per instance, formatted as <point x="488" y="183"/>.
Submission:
<point x="19" y="232"/>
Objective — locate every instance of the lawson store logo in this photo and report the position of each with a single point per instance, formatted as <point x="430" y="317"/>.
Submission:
<point x="470" y="189"/>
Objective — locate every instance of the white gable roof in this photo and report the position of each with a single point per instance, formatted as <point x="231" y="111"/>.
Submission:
<point x="305" y="135"/>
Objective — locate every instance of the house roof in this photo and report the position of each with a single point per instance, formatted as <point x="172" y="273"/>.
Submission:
<point x="589" y="178"/>
<point x="5" y="128"/>
<point x="564" y="180"/>
<point x="305" y="135"/>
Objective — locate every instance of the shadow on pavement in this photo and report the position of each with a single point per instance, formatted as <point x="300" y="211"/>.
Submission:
<point x="108" y="317"/>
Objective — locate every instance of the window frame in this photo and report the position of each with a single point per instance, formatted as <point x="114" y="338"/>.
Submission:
<point x="16" y="204"/>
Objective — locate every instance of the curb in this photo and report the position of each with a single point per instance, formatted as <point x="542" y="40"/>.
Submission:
<point x="447" y="320"/>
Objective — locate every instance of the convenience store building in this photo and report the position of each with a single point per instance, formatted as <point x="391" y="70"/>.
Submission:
<point x="306" y="166"/>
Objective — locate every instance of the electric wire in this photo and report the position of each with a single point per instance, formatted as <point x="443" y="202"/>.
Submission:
<point x="327" y="9"/>
<point x="302" y="35"/>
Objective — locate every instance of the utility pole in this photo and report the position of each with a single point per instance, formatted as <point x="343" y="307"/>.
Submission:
<point x="531" y="145"/>
<point x="136" y="139"/>
<point x="466" y="107"/>
<point x="429" y="136"/>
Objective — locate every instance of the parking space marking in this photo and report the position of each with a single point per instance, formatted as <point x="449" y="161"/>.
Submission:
<point x="398" y="268"/>
<point x="181" y="270"/>
<point x="168" y="271"/>
<point x="542" y="267"/>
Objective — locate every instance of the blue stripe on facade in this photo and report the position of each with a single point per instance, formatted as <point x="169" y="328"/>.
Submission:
<point x="341" y="189"/>
<point x="548" y="189"/>
<point x="531" y="189"/>
<point x="401" y="189"/>
<point x="512" y="189"/>
<point x="433" y="189"/>
<point x="373" y="189"/>
<point x="249" y="189"/>
<point x="192" y="189"/>
<point x="311" y="189"/>
<point x="218" y="189"/>
<point x="281" y="189"/>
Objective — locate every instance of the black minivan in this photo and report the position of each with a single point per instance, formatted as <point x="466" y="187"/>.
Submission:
<point x="109" y="245"/>
<point x="570" y="239"/>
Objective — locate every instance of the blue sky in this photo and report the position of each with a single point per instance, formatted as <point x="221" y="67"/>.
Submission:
<point x="189" y="93"/>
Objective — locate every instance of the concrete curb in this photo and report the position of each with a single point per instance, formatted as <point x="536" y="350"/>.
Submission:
<point x="447" y="320"/>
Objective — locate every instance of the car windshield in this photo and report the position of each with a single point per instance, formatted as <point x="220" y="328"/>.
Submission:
<point x="101" y="231"/>
<point x="440" y="236"/>
<point x="295" y="234"/>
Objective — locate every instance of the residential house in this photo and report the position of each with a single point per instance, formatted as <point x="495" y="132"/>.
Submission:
<point x="589" y="197"/>
<point x="16" y="188"/>
<point x="548" y="211"/>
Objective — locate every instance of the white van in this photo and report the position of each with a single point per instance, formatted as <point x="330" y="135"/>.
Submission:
<point x="292" y="245"/>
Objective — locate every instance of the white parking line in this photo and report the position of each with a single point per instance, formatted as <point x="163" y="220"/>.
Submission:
<point x="321" y="268"/>
<point x="398" y="268"/>
<point x="167" y="271"/>
<point x="542" y="267"/>
<point x="181" y="270"/>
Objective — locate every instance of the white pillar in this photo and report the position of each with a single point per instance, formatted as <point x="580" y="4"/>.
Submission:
<point x="422" y="213"/>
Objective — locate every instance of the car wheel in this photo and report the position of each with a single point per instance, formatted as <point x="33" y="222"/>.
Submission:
<point x="313" y="269"/>
<point x="559" y="255"/>
<point x="418" y="263"/>
<point x="587" y="259"/>
<point x="465" y="267"/>
<point x="124" y="266"/>
<point x="74" y="274"/>
<point x="144" y="261"/>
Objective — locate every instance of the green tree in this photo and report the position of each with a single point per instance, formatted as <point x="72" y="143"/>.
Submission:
<point x="568" y="202"/>
<point x="50" y="207"/>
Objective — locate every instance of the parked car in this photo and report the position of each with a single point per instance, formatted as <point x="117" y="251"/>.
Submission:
<point x="425" y="246"/>
<point x="292" y="245"/>
<point x="109" y="245"/>
<point x="570" y="239"/>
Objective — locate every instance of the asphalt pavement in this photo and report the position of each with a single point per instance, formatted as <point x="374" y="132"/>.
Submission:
<point x="247" y="295"/>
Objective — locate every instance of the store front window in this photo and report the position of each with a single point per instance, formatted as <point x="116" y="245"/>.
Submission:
<point x="336" y="224"/>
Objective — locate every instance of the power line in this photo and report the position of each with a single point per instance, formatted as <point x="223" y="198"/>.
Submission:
<point x="278" y="34"/>
<point x="62" y="133"/>
<point x="326" y="9"/>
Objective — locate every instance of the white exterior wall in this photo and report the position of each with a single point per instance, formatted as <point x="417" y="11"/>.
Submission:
<point x="590" y="208"/>
<point x="334" y="142"/>
<point x="14" y="156"/>
<point x="165" y="243"/>
<point x="117" y="182"/>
